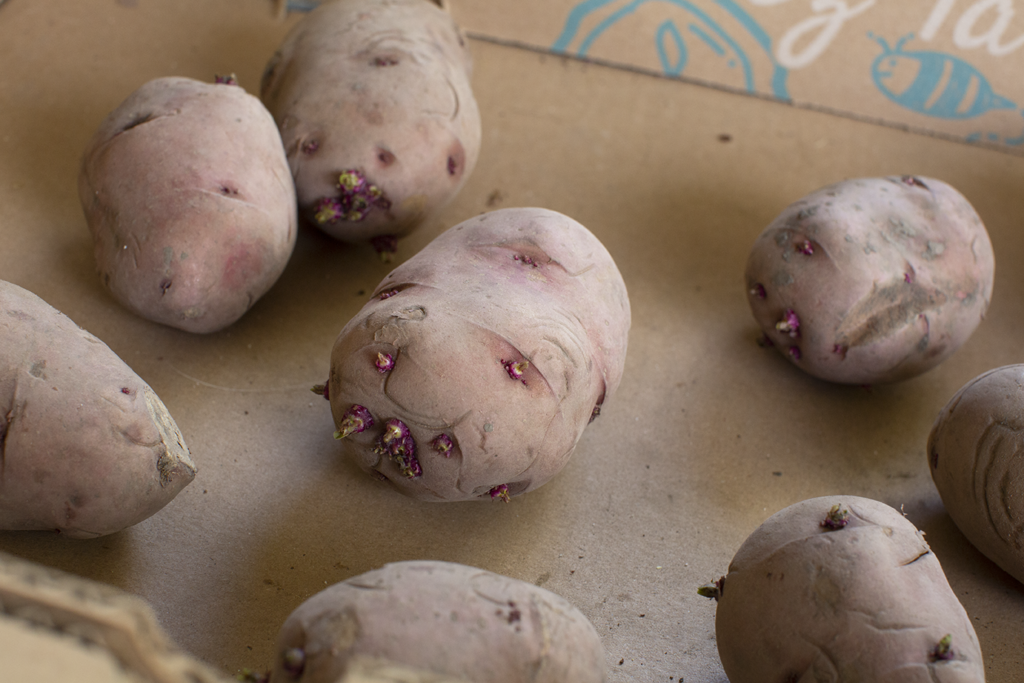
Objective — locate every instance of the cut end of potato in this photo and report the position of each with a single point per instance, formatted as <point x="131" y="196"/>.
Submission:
<point x="176" y="462"/>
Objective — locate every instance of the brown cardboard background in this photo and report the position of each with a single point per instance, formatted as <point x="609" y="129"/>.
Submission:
<point x="663" y="487"/>
<point x="838" y="79"/>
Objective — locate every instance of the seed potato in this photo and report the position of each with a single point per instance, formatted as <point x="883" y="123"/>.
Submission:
<point x="841" y="589"/>
<point x="377" y="115"/>
<point x="872" y="280"/>
<point x="86" y="447"/>
<point x="442" y="618"/>
<point x="976" y="456"/>
<point x="191" y="206"/>
<point x="477" y="364"/>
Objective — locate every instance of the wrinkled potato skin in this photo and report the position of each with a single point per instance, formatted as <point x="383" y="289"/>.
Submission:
<point x="381" y="86"/>
<point x="190" y="202"/>
<point x="464" y="306"/>
<point x="976" y="456"/>
<point x="867" y="602"/>
<point x="86" y="447"/>
<point x="450" y="619"/>
<point x="899" y="277"/>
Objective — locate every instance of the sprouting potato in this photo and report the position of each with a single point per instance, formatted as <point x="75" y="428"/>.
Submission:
<point x="377" y="115"/>
<point x="872" y="280"/>
<point x="841" y="589"/>
<point x="477" y="364"/>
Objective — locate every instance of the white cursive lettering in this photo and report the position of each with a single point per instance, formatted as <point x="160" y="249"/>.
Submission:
<point x="935" y="20"/>
<point x="827" y="25"/>
<point x="965" y="35"/>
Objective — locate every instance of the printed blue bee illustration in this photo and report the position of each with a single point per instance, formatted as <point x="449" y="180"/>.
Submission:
<point x="727" y="34"/>
<point x="936" y="84"/>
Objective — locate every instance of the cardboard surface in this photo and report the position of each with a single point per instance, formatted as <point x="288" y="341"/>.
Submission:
<point x="948" y="67"/>
<point x="708" y="435"/>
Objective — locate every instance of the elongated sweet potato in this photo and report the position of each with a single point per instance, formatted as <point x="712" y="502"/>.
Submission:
<point x="187" y="193"/>
<point x="448" y="619"/>
<point x="841" y="589"/>
<point x="86" y="447"/>
<point x="375" y="108"/>
<point x="872" y="280"/>
<point x="976" y="454"/>
<point x="477" y="364"/>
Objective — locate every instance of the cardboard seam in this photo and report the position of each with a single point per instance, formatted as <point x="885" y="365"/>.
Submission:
<point x="807" y="106"/>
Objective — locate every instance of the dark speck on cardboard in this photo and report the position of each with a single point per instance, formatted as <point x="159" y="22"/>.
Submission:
<point x="724" y="137"/>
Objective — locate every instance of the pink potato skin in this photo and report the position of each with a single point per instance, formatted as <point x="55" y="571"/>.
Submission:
<point x="495" y="290"/>
<point x="381" y="87"/>
<point x="188" y="196"/>
<point x="86" y="447"/>
<point x="887" y="277"/>
<point x="865" y="602"/>
<point x="445" y="618"/>
<point x="976" y="457"/>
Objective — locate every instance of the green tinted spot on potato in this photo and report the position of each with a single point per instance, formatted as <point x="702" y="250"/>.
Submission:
<point x="944" y="649"/>
<point x="516" y="369"/>
<point x="356" y="419"/>
<point x="837" y="518"/>
<point x="397" y="443"/>
<point x="293" y="662"/>
<point x="443" y="445"/>
<point x="384" y="363"/>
